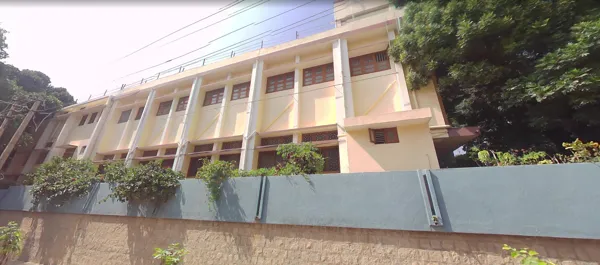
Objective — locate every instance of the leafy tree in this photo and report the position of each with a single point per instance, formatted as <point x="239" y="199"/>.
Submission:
<point x="173" y="255"/>
<point x="11" y="242"/>
<point x="527" y="72"/>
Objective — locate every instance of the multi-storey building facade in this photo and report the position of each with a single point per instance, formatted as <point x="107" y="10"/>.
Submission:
<point x="337" y="89"/>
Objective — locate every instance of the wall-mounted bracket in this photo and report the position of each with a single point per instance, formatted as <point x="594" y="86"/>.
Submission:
<point x="432" y="208"/>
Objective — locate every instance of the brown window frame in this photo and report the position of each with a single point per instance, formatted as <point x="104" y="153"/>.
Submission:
<point x="277" y="140"/>
<point x="319" y="136"/>
<point x="124" y="116"/>
<point x="237" y="92"/>
<point x="182" y="103"/>
<point x="216" y="94"/>
<point x="139" y="113"/>
<point x="203" y="148"/>
<point x="83" y="119"/>
<point x="384" y="136"/>
<point x="231" y="145"/>
<point x="283" y="80"/>
<point x="268" y="159"/>
<point x="108" y="157"/>
<point x="164" y="108"/>
<point x="235" y="158"/>
<point x="171" y="151"/>
<point x="149" y="153"/>
<point x="332" y="164"/>
<point x="70" y="151"/>
<point x="194" y="165"/>
<point x="123" y="156"/>
<point x="167" y="163"/>
<point x="93" y="117"/>
<point x="360" y="65"/>
<point x="310" y="75"/>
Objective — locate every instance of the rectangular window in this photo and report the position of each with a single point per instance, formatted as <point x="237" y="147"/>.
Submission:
<point x="93" y="117"/>
<point x="213" y="97"/>
<point x="168" y="163"/>
<point x="317" y="74"/>
<point x="203" y="148"/>
<point x="124" y="116"/>
<point x="233" y="158"/>
<point x="332" y="159"/>
<point x="69" y="152"/>
<point x="82" y="121"/>
<point x="268" y="159"/>
<point x="319" y="136"/>
<point x="240" y="91"/>
<point x="164" y="108"/>
<point x="123" y="156"/>
<point x="276" y="140"/>
<point x="139" y="113"/>
<point x="171" y="151"/>
<point x="195" y="164"/>
<point x="182" y="103"/>
<point x="231" y="145"/>
<point x="280" y="82"/>
<point x="369" y="63"/>
<point x="41" y="157"/>
<point x="149" y="153"/>
<point x="384" y="136"/>
<point x="108" y="157"/>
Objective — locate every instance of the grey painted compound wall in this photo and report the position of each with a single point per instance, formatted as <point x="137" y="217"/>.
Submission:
<point x="545" y="200"/>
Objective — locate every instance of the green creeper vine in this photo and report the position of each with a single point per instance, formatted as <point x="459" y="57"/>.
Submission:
<point x="143" y="183"/>
<point x="62" y="179"/>
<point x="526" y="256"/>
<point x="173" y="255"/>
<point x="213" y="174"/>
<point x="11" y="242"/>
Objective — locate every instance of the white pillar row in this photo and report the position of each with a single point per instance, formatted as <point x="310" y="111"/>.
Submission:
<point x="62" y="137"/>
<point x="296" y="98"/>
<point x="99" y="128"/>
<point x="404" y="97"/>
<point x="255" y="93"/>
<point x="140" y="128"/>
<point x="344" y="104"/>
<point x="187" y="121"/>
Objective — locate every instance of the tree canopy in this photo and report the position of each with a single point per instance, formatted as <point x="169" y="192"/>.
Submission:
<point x="20" y="88"/>
<point x="526" y="71"/>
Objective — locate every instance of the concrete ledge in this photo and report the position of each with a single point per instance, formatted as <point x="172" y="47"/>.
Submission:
<point x="393" y="119"/>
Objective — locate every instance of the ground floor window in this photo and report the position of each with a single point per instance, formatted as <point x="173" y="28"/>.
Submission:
<point x="195" y="164"/>
<point x="233" y="158"/>
<point x="268" y="159"/>
<point x="332" y="159"/>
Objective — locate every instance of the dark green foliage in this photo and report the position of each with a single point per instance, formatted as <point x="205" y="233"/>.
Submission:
<point x="143" y="183"/>
<point x="213" y="174"/>
<point x="61" y="180"/>
<point x="527" y="72"/>
<point x="300" y="159"/>
<point x="11" y="242"/>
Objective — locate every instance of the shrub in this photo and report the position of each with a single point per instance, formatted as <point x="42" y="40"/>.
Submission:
<point x="62" y="179"/>
<point x="173" y="255"/>
<point x="272" y="171"/>
<point x="213" y="174"/>
<point x="583" y="152"/>
<point x="527" y="256"/>
<point x="300" y="159"/>
<point x="148" y="183"/>
<point x="11" y="242"/>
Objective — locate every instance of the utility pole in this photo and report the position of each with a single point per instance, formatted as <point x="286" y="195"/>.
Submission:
<point x="15" y="138"/>
<point x="4" y="124"/>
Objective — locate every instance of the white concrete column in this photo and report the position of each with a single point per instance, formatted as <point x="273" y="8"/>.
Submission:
<point x="344" y="104"/>
<point x="187" y="122"/>
<point x="296" y="96"/>
<point x="39" y="146"/>
<point x="255" y="93"/>
<point x="174" y="103"/>
<point x="403" y="96"/>
<point x="62" y="137"/>
<point x="109" y="108"/>
<point x="140" y="128"/>
<point x="224" y="103"/>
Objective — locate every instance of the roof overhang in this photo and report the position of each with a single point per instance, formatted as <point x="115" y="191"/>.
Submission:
<point x="456" y="138"/>
<point x="393" y="119"/>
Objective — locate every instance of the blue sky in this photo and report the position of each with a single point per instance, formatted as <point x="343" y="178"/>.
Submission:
<point x="81" y="47"/>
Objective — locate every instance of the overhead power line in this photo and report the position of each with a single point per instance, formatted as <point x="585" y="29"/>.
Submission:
<point x="240" y="43"/>
<point x="189" y="25"/>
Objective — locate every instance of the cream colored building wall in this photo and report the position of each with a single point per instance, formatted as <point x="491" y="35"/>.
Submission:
<point x="277" y="111"/>
<point x="317" y="105"/>
<point x="52" y="238"/>
<point x="426" y="97"/>
<point x="376" y="93"/>
<point x="415" y="150"/>
<point x="109" y="141"/>
<point x="207" y="121"/>
<point x="173" y="131"/>
<point x="80" y="134"/>
<point x="234" y="121"/>
<point x="348" y="9"/>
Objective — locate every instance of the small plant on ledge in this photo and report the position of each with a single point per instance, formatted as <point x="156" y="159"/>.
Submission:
<point x="62" y="179"/>
<point x="173" y="255"/>
<point x="527" y="256"/>
<point x="213" y="174"/>
<point x="144" y="183"/>
<point x="11" y="242"/>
